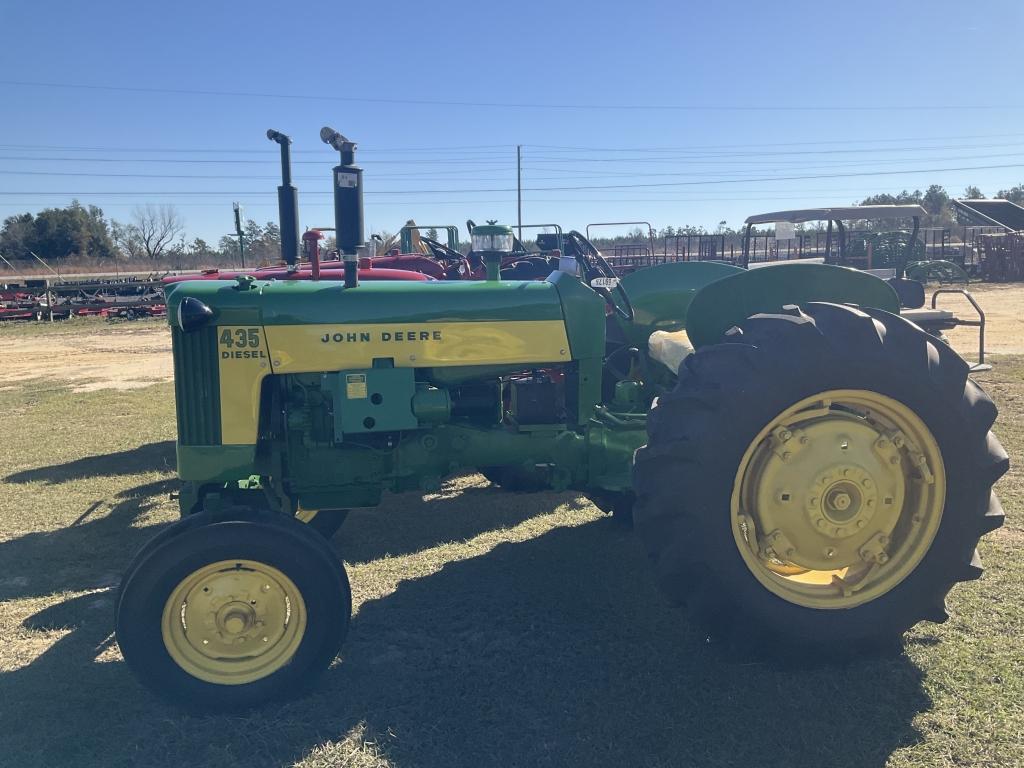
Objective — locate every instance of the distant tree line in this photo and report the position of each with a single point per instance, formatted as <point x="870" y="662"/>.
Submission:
<point x="152" y="236"/>
<point x="155" y="235"/>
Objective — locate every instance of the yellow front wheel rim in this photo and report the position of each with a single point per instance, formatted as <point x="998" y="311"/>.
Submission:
<point x="306" y="515"/>
<point x="233" y="622"/>
<point x="838" y="499"/>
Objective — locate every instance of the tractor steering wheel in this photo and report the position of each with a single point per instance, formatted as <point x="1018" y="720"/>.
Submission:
<point x="440" y="251"/>
<point x="594" y="264"/>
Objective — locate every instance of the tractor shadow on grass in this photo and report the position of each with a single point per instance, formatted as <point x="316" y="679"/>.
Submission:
<point x="87" y="554"/>
<point x="93" y="550"/>
<point x="152" y="457"/>
<point x="465" y="506"/>
<point x="554" y="651"/>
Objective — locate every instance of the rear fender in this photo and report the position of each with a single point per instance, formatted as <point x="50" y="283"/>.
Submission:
<point x="720" y="305"/>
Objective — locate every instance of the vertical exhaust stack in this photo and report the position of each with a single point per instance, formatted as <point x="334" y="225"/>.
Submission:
<point x="287" y="201"/>
<point x="348" y="203"/>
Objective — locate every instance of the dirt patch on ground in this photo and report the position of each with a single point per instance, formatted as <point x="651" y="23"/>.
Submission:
<point x="124" y="359"/>
<point x="1003" y="305"/>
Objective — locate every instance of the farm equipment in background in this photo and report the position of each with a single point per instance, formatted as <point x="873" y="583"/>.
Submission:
<point x="125" y="295"/>
<point x="809" y="471"/>
<point x="894" y="256"/>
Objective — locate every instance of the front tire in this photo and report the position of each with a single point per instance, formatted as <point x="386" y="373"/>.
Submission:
<point x="818" y="482"/>
<point x="230" y="614"/>
<point x="326" y="522"/>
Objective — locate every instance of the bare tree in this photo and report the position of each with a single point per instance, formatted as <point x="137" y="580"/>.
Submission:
<point x="127" y="239"/>
<point x="157" y="227"/>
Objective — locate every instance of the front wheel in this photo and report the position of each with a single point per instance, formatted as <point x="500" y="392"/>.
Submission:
<point x="818" y="482"/>
<point x="229" y="614"/>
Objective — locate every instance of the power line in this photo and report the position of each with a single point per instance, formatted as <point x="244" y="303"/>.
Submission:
<point x="235" y="161"/>
<point x="620" y="174"/>
<point x="227" y="176"/>
<point x="748" y="155"/>
<point x="499" y="148"/>
<point x="724" y="159"/>
<point x="583" y="187"/>
<point x="569" y="148"/>
<point x="479" y="148"/>
<point x="519" y="105"/>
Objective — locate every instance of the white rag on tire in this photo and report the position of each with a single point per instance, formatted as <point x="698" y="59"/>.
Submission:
<point x="669" y="348"/>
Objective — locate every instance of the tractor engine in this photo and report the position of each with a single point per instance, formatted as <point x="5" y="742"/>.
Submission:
<point x="331" y="394"/>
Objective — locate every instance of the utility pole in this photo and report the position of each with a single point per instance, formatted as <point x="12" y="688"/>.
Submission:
<point x="519" y="189"/>
<point x="238" y="228"/>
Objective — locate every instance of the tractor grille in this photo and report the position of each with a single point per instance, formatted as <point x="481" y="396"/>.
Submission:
<point x="197" y="386"/>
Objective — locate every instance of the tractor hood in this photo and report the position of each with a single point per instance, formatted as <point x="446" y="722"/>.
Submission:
<point x="270" y="303"/>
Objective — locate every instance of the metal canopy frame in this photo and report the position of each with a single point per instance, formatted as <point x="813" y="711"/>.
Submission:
<point x="835" y="218"/>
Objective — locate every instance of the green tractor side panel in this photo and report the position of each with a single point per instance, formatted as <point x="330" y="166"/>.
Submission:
<point x="720" y="305"/>
<point x="661" y="295"/>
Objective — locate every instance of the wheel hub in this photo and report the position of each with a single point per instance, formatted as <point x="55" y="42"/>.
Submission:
<point x="842" y="500"/>
<point x="235" y="618"/>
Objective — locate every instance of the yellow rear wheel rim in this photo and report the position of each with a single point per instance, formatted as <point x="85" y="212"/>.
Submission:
<point x="838" y="499"/>
<point x="233" y="622"/>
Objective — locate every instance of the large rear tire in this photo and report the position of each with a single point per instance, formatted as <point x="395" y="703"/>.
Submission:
<point x="229" y="614"/>
<point x="818" y="482"/>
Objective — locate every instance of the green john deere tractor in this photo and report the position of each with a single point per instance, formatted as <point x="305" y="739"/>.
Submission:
<point x="809" y="471"/>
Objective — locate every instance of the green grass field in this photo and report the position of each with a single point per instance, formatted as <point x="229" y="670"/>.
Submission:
<point x="490" y="629"/>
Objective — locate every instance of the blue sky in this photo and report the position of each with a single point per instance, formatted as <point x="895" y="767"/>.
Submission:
<point x="672" y="112"/>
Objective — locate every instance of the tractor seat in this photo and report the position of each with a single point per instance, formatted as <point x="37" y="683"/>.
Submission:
<point x="931" y="318"/>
